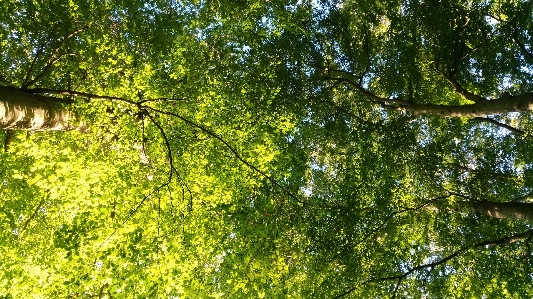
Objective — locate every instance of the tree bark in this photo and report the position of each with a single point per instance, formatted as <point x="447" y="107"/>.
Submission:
<point x="504" y="104"/>
<point x="22" y="110"/>
<point x="501" y="210"/>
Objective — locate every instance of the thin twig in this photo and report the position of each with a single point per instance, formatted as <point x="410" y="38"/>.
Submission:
<point x="233" y="150"/>
<point x="499" y="124"/>
<point x="505" y="240"/>
<point x="161" y="99"/>
<point x="37" y="54"/>
<point x="383" y="223"/>
<point x="173" y="169"/>
<point x="133" y="212"/>
<point x="37" y="208"/>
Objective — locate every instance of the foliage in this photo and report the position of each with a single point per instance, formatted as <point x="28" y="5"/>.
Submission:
<point x="268" y="149"/>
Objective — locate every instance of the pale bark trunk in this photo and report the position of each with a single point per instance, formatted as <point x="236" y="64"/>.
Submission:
<point x="504" y="104"/>
<point x="501" y="210"/>
<point x="22" y="110"/>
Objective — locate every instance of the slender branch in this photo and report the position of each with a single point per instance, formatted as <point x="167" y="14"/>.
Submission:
<point x="522" y="198"/>
<point x="32" y="65"/>
<point x="397" y="287"/>
<point x="149" y="43"/>
<point x="167" y="145"/>
<point x="233" y="150"/>
<point x="47" y="68"/>
<point x="366" y="42"/>
<point x="505" y="240"/>
<point x="132" y="212"/>
<point x="521" y="45"/>
<point x="499" y="124"/>
<point x="161" y="99"/>
<point x="101" y="293"/>
<point x="344" y="72"/>
<point x="383" y="223"/>
<point x="33" y="215"/>
<point x="496" y="175"/>
<point x="37" y="54"/>
<point x="52" y="59"/>
<point x="171" y="158"/>
<point x="468" y="198"/>
<point x="371" y="95"/>
<point x="91" y="96"/>
<point x="341" y="110"/>
<point x="81" y="94"/>
<point x="72" y="34"/>
<point x="459" y="88"/>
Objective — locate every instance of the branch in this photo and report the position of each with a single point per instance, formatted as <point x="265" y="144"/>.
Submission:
<point x="47" y="68"/>
<point x="342" y="110"/>
<point x="167" y="144"/>
<point x="460" y="90"/>
<point x="496" y="175"/>
<point x="165" y="184"/>
<point x="133" y="212"/>
<point x="160" y="99"/>
<point x="234" y="151"/>
<point x="171" y="158"/>
<point x="81" y="94"/>
<point x="397" y="287"/>
<point x="371" y="95"/>
<point x="8" y="139"/>
<point x="32" y="216"/>
<point x="37" y="54"/>
<point x="521" y="45"/>
<point x="384" y="222"/>
<point x="101" y="293"/>
<point x="522" y="198"/>
<point x="51" y="59"/>
<point x="505" y="240"/>
<point x="499" y="124"/>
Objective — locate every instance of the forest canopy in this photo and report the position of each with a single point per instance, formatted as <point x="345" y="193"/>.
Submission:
<point x="266" y="149"/>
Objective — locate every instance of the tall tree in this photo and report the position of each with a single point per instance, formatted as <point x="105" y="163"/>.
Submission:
<point x="431" y="87"/>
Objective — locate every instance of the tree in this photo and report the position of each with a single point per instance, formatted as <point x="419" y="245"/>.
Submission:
<point x="394" y="70"/>
<point x="26" y="111"/>
<point x="269" y="149"/>
<point x="79" y="205"/>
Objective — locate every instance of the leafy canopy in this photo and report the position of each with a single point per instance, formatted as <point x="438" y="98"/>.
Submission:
<point x="270" y="149"/>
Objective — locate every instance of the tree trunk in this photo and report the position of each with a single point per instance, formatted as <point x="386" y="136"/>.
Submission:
<point x="502" y="210"/>
<point x="504" y="104"/>
<point x="22" y="110"/>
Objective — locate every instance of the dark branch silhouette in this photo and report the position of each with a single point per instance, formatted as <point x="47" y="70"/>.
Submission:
<point x="173" y="169"/>
<point x="459" y="88"/>
<point x="52" y="58"/>
<point x="25" y="82"/>
<point x="382" y="224"/>
<point x="499" y="124"/>
<point x="89" y="96"/>
<point x="521" y="45"/>
<point x="33" y="215"/>
<point x="233" y="150"/>
<point x="505" y="240"/>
